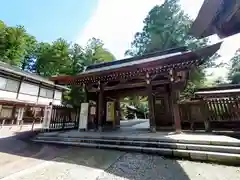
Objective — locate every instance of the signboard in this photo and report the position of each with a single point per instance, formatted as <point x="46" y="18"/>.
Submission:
<point x="110" y="111"/>
<point x="93" y="110"/>
<point x="47" y="117"/>
<point x="83" y="116"/>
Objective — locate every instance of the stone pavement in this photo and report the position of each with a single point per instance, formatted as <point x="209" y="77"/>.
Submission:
<point x="24" y="160"/>
<point x="11" y="130"/>
<point x="94" y="164"/>
<point x="129" y="133"/>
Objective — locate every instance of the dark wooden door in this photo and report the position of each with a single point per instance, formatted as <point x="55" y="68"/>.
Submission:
<point x="162" y="111"/>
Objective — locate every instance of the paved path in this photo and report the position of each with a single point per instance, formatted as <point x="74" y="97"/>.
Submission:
<point x="23" y="160"/>
<point x="95" y="164"/>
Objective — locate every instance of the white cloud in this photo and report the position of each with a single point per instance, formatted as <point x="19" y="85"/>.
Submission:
<point x="115" y="22"/>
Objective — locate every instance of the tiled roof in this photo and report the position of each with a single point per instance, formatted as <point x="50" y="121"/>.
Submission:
<point x="133" y="60"/>
<point x="15" y="70"/>
<point x="158" y="62"/>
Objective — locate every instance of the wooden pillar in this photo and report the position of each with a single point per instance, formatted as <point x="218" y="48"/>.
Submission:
<point x="151" y="114"/>
<point x="174" y="101"/>
<point x="13" y="113"/>
<point x="176" y="114"/>
<point x="19" y="86"/>
<point x="100" y="107"/>
<point x="118" y="112"/>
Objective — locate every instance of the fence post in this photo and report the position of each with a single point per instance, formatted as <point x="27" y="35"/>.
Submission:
<point x="205" y="113"/>
<point x="33" y="125"/>
<point x="21" y="125"/>
<point x="64" y="119"/>
<point x="3" y="122"/>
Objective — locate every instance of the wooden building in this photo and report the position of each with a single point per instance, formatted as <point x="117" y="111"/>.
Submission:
<point x="23" y="95"/>
<point x="160" y="76"/>
<point x="214" y="108"/>
<point x="221" y="17"/>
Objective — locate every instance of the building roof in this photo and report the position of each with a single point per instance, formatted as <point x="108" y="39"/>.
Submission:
<point x="228" y="90"/>
<point x="155" y="62"/>
<point x="220" y="17"/>
<point x="135" y="59"/>
<point x="9" y="101"/>
<point x="4" y="67"/>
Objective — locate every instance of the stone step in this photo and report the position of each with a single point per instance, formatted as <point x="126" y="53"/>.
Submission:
<point x="183" y="139"/>
<point x="225" y="158"/>
<point x="170" y="145"/>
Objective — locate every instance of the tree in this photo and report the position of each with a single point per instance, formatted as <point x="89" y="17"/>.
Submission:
<point x="20" y="49"/>
<point x="52" y="59"/>
<point x="30" y="49"/>
<point x="167" y="26"/>
<point x="93" y="53"/>
<point x="234" y="73"/>
<point x="78" y="59"/>
<point x="96" y="53"/>
<point x="16" y="45"/>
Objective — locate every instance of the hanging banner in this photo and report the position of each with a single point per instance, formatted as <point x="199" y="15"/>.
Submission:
<point x="47" y="117"/>
<point x="83" y="121"/>
<point x="110" y="111"/>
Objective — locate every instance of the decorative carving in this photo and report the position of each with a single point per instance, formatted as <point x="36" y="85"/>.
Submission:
<point x="148" y="78"/>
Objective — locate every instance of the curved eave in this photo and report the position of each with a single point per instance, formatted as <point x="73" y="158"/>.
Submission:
<point x="183" y="60"/>
<point x="202" y="26"/>
<point x="219" y="17"/>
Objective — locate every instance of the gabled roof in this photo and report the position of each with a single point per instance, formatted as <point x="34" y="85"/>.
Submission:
<point x="133" y="60"/>
<point x="15" y="71"/>
<point x="151" y="63"/>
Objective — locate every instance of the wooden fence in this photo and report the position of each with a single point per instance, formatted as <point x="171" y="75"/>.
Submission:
<point x="64" y="118"/>
<point x="218" y="113"/>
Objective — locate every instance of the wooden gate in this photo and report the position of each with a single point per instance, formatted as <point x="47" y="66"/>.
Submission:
<point x="64" y="118"/>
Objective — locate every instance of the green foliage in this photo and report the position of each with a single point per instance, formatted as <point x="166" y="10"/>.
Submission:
<point x="20" y="49"/>
<point x="234" y="73"/>
<point x="95" y="52"/>
<point x="52" y="59"/>
<point x="30" y="49"/>
<point x="167" y="26"/>
<point x="138" y="102"/>
<point x="15" y="45"/>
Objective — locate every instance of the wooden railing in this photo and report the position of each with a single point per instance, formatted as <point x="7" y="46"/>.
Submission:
<point x="64" y="118"/>
<point x="221" y="113"/>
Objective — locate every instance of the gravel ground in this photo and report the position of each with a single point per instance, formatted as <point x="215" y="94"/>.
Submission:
<point x="133" y="166"/>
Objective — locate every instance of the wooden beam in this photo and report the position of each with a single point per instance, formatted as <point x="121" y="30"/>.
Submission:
<point x="100" y="106"/>
<point x="142" y="84"/>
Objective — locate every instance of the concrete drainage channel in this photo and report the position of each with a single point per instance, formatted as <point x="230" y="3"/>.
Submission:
<point x="226" y="153"/>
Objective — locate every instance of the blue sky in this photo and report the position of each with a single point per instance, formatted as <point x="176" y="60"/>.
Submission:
<point x="48" y="20"/>
<point x="113" y="21"/>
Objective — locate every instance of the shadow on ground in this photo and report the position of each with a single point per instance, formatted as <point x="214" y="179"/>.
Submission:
<point x="111" y="163"/>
